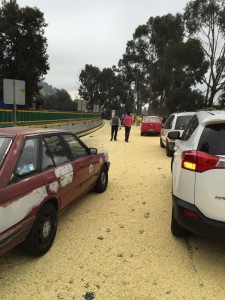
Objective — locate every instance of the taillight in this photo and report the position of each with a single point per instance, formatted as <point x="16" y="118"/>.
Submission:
<point x="199" y="161"/>
<point x="189" y="160"/>
<point x="191" y="214"/>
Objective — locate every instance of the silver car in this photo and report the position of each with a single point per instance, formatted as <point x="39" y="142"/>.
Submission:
<point x="175" y="122"/>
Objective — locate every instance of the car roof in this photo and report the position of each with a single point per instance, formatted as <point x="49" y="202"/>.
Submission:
<point x="211" y="117"/>
<point x="190" y="113"/>
<point x="12" y="131"/>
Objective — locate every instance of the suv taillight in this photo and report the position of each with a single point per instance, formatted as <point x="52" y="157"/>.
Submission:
<point x="198" y="161"/>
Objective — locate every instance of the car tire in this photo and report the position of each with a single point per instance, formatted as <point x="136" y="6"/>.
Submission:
<point x="142" y="133"/>
<point x="43" y="231"/>
<point x="102" y="181"/>
<point x="178" y="230"/>
<point x="161" y="143"/>
<point x="169" y="153"/>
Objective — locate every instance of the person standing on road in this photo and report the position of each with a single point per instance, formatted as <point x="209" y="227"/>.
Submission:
<point x="115" y="124"/>
<point x="127" y="122"/>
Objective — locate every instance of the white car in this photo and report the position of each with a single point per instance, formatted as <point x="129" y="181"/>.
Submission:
<point x="198" y="171"/>
<point x="176" y="121"/>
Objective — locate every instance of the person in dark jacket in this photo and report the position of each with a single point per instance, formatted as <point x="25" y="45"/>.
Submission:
<point x="115" y="125"/>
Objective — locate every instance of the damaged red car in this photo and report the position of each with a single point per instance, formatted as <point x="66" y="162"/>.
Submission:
<point x="42" y="171"/>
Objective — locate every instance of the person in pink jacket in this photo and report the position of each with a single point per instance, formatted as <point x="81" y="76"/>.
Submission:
<point x="127" y="122"/>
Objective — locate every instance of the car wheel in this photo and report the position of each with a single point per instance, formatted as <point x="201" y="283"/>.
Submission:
<point x="142" y="133"/>
<point x="102" y="181"/>
<point x="178" y="230"/>
<point x="161" y="143"/>
<point x="168" y="151"/>
<point x="43" y="231"/>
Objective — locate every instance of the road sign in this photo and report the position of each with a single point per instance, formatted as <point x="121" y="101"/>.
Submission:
<point x="14" y="91"/>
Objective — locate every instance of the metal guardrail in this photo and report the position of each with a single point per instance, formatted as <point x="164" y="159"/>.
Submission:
<point x="88" y="131"/>
<point x="30" y="117"/>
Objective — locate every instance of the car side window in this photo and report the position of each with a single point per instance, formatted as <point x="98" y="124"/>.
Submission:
<point x="57" y="149"/>
<point x="169" y="121"/>
<point x="28" y="161"/>
<point x="77" y="149"/>
<point x="5" y="143"/>
<point x="193" y="124"/>
<point x="47" y="160"/>
<point x="182" y="122"/>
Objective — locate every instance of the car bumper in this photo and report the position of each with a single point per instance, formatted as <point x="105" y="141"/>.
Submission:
<point x="202" y="226"/>
<point x="16" y="235"/>
<point x="151" y="131"/>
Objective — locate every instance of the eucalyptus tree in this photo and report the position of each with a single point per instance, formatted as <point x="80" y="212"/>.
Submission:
<point x="132" y="69"/>
<point x="103" y="87"/>
<point x="145" y="62"/>
<point x="112" y="91"/>
<point x="89" y="89"/>
<point x="166" y="34"/>
<point x="165" y="62"/>
<point x="60" y="101"/>
<point x="23" y="46"/>
<point x="205" y="21"/>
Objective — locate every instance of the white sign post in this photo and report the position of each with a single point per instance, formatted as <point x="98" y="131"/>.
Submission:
<point x="14" y="93"/>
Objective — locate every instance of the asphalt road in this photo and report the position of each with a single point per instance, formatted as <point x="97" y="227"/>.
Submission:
<point x="118" y="245"/>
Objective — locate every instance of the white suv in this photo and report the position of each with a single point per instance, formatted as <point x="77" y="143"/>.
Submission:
<point x="198" y="169"/>
<point x="176" y="121"/>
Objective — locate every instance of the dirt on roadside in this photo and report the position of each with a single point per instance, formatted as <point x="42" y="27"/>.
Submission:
<point x="118" y="245"/>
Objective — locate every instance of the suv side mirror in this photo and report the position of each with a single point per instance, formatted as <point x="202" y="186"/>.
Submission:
<point x="174" y="135"/>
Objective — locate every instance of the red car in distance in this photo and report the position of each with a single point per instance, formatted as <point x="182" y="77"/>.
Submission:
<point x="151" y="125"/>
<point x="42" y="171"/>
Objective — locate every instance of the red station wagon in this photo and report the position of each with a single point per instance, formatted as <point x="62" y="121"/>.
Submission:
<point x="41" y="172"/>
<point x="151" y="125"/>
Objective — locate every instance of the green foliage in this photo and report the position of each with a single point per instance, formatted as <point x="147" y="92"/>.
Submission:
<point x="23" y="46"/>
<point x="60" y="101"/>
<point x="182" y="99"/>
<point x="165" y="31"/>
<point x="90" y="81"/>
<point x="159" y="61"/>
<point x="102" y="87"/>
<point x="165" y="61"/>
<point x="205" y="21"/>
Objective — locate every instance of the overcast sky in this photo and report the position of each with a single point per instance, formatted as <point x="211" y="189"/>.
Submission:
<point x="95" y="32"/>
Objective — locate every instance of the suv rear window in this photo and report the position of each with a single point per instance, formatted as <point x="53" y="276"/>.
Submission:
<point x="212" y="139"/>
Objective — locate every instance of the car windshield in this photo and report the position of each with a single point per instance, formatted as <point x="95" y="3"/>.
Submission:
<point x="182" y="122"/>
<point x="5" y="143"/>
<point x="151" y="119"/>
